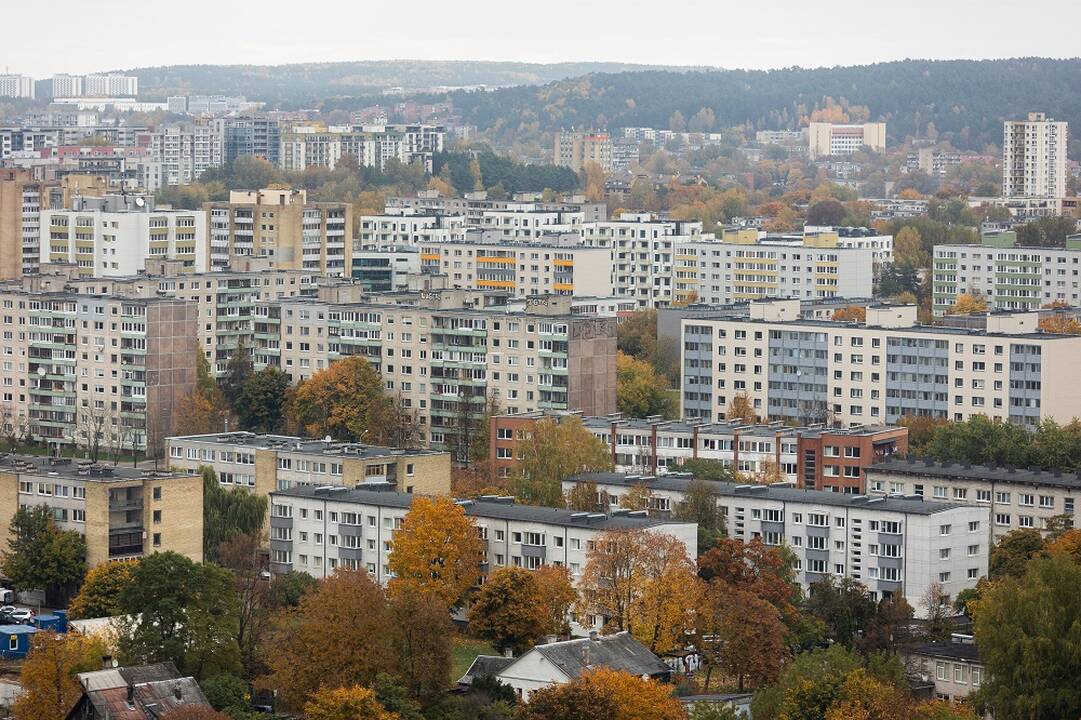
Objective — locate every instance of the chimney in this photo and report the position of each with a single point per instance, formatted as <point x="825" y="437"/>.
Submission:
<point x="592" y="634"/>
<point x="106" y="662"/>
<point x="131" y="694"/>
<point x="508" y="652"/>
<point x="177" y="693"/>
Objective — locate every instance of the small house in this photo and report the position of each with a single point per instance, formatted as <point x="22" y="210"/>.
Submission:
<point x="15" y="641"/>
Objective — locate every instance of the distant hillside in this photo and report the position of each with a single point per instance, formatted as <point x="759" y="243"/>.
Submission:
<point x="311" y="83"/>
<point x="965" y="100"/>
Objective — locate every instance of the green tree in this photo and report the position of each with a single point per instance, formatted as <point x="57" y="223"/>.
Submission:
<point x="1028" y="633"/>
<point x="238" y="371"/>
<point x="41" y="556"/>
<point x="807" y="687"/>
<point x="711" y="470"/>
<point x="344" y="401"/>
<point x="700" y="507"/>
<point x="637" y="336"/>
<point x="228" y="514"/>
<point x="421" y="643"/>
<point x="640" y="391"/>
<point x="843" y="605"/>
<point x="507" y="611"/>
<point x="261" y="405"/>
<point x="227" y="693"/>
<point x="181" y="611"/>
<point x="1013" y="551"/>
<point x="554" y="451"/>
<point x="826" y="212"/>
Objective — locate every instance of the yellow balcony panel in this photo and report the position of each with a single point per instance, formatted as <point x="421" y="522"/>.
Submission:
<point x="495" y="283"/>
<point x="495" y="260"/>
<point x="429" y="256"/>
<point x="563" y="263"/>
<point x="563" y="286"/>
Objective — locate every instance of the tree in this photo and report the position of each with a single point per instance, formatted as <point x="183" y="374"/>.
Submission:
<point x="554" y="451"/>
<point x="741" y="409"/>
<point x="584" y="497"/>
<point x="1013" y="551"/>
<point x="700" y="507"/>
<point x="99" y="595"/>
<point x="569" y="701"/>
<point x="908" y="248"/>
<point x="762" y="570"/>
<point x="42" y="556"/>
<point x="888" y="630"/>
<point x="637" y="498"/>
<point x="92" y="428"/>
<point x="640" y="581"/>
<point x="709" y="470"/>
<point x="256" y="598"/>
<point x="420" y="641"/>
<point x="863" y="697"/>
<point x="807" y="687"/>
<point x="967" y="304"/>
<point x="47" y="676"/>
<point x="640" y="391"/>
<point x="1067" y="543"/>
<point x="177" y="610"/>
<point x="344" y="401"/>
<point x="195" y="712"/>
<point x="336" y="637"/>
<point x="739" y="634"/>
<point x="228" y="514"/>
<point x="941" y="710"/>
<point x="1027" y="632"/>
<point x="635" y="698"/>
<point x="346" y="703"/>
<point x="637" y="336"/>
<point x="238" y="370"/>
<point x="557" y="597"/>
<point x="826" y="213"/>
<point x="938" y="620"/>
<point x="227" y="693"/>
<point x="1060" y="325"/>
<point x="436" y="552"/>
<point x="843" y="605"/>
<point x="507" y="610"/>
<point x="200" y="413"/>
<point x="262" y="403"/>
<point x="850" y="313"/>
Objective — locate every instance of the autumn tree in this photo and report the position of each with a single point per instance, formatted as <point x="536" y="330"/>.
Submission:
<point x="699" y="505"/>
<point x="584" y="497"/>
<point x="640" y="391"/>
<point x="436" y="552"/>
<point x="1027" y="632"/>
<point x="843" y="605"/>
<point x="344" y="401"/>
<point x="99" y="595"/>
<point x="850" y="313"/>
<point x="203" y="410"/>
<point x="937" y="613"/>
<point x="762" y="570"/>
<point x="807" y="687"/>
<point x="552" y="452"/>
<point x="941" y="710"/>
<point x="420" y="643"/>
<point x="635" y="698"/>
<point x="638" y="497"/>
<point x="49" y="687"/>
<point x="336" y="637"/>
<point x="739" y="634"/>
<point x="557" y="597"/>
<point x="968" y="304"/>
<point x="637" y="336"/>
<point x="908" y="248"/>
<point x="507" y="610"/>
<point x="741" y="409"/>
<point x="346" y="703"/>
<point x="1012" y="552"/>
<point x="1060" y="325"/>
<point x="826" y="213"/>
<point x="569" y="701"/>
<point x="640" y="581"/>
<point x="862" y="696"/>
<point x="593" y="182"/>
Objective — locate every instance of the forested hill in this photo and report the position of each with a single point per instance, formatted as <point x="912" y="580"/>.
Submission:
<point x="312" y="83"/>
<point x="966" y="100"/>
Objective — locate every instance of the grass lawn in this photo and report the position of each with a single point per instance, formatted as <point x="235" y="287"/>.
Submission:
<point x="463" y="652"/>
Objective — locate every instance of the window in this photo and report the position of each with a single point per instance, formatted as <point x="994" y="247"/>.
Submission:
<point x="944" y="577"/>
<point x="944" y="529"/>
<point x="973" y="550"/>
<point x="973" y="525"/>
<point x="157" y="539"/>
<point x="940" y="671"/>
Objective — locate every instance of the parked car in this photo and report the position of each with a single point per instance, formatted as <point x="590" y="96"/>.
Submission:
<point x="23" y="616"/>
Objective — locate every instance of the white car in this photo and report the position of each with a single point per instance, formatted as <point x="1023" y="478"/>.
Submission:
<point x="24" y="616"/>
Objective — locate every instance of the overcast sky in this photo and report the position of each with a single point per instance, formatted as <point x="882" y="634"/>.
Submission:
<point x="108" y="34"/>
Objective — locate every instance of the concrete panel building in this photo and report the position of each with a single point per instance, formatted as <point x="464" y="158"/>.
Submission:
<point x="1034" y="157"/>
<point x="22" y="200"/>
<point x="830" y="140"/>
<point x="575" y="150"/>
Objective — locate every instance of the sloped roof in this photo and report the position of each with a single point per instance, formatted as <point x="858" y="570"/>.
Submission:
<point x="156" y="689"/>
<point x="484" y="665"/>
<point x="617" y="652"/>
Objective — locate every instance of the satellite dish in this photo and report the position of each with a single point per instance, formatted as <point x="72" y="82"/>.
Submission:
<point x="139" y="202"/>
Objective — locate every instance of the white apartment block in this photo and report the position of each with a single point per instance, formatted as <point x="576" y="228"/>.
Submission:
<point x="17" y="86"/>
<point x="1017" y="498"/>
<point x="1008" y="277"/>
<point x="186" y="151"/>
<point x="407" y="228"/>
<point x="474" y="205"/>
<point x="877" y="371"/>
<point x="111" y="85"/>
<point x="117" y="234"/>
<point x="892" y="545"/>
<point x="67" y="86"/>
<point x="316" y="530"/>
<point x="372" y="146"/>
<point x="1034" y="157"/>
<point x="829" y="140"/>
<point x="521" y="268"/>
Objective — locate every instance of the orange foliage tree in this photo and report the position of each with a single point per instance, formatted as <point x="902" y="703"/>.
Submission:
<point x="1061" y="325"/>
<point x="850" y="313"/>
<point x="345" y="401"/>
<point x="346" y="703"/>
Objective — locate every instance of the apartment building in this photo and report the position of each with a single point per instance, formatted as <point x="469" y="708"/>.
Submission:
<point x="953" y="667"/>
<point x="408" y="227"/>
<point x="932" y="161"/>
<point x="122" y="512"/>
<point x="575" y="150"/>
<point x="893" y="545"/>
<point x="78" y="365"/>
<point x="67" y="86"/>
<point x="742" y="267"/>
<point x="106" y="85"/>
<point x="249" y="136"/>
<point x="1017" y="498"/>
<point x="876" y="371"/>
<point x="22" y="198"/>
<point x="371" y="145"/>
<point x="17" y="86"/>
<point x="185" y="151"/>
<point x="262" y="464"/>
<point x="116" y="234"/>
<point x="815" y="457"/>
<point x="444" y="354"/>
<point x="830" y="140"/>
<point x="1007" y="276"/>
<point x="319" y="529"/>
<point x="521" y="267"/>
<point x="474" y="205"/>
<point x="1034" y="157"/>
<point x="282" y="226"/>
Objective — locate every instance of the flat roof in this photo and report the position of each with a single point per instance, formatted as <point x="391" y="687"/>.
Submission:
<point x="501" y="509"/>
<point x="719" y="428"/>
<point x="961" y="471"/>
<point x="79" y="469"/>
<point x="291" y="443"/>
<point x="918" y="329"/>
<point x="966" y="651"/>
<point x="782" y="492"/>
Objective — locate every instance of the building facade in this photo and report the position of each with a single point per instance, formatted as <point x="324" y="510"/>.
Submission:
<point x="575" y="150"/>
<point x="1034" y="157"/>
<point x="22" y="200"/>
<point x="17" y="86"/>
<point x="877" y="371"/>
<point x="830" y="140"/>
<point x="953" y="667"/>
<point x="893" y="545"/>
<point x="122" y="512"/>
